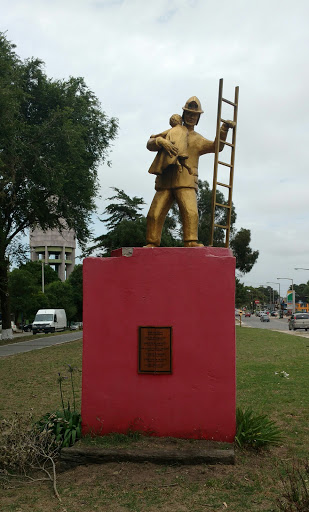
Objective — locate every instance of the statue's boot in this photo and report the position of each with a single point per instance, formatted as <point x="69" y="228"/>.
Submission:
<point x="193" y="243"/>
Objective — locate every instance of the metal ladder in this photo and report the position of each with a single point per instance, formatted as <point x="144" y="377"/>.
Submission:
<point x="217" y="162"/>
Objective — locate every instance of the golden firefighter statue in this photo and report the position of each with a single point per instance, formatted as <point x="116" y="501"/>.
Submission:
<point x="176" y="166"/>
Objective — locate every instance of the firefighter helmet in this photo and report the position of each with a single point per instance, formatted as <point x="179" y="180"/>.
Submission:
<point x="193" y="105"/>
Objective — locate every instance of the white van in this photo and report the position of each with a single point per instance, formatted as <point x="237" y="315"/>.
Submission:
<point x="49" y="320"/>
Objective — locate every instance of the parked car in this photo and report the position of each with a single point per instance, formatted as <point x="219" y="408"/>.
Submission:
<point x="264" y="318"/>
<point x="27" y="328"/>
<point x="248" y="313"/>
<point x="299" y="321"/>
<point x="273" y="313"/>
<point x="75" y="326"/>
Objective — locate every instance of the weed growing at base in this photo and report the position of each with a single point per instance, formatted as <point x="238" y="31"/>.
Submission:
<point x="255" y="431"/>
<point x="65" y="424"/>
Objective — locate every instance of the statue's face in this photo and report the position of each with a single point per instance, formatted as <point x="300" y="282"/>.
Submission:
<point x="190" y="118"/>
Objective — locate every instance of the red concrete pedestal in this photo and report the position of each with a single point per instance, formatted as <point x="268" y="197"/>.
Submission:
<point x="192" y="291"/>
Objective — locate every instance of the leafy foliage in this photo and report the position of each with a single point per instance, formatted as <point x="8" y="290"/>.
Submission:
<point x="75" y="280"/>
<point x="245" y="257"/>
<point x="241" y="294"/>
<point x="127" y="226"/>
<point x="66" y="424"/>
<point x="204" y="198"/>
<point x="60" y="295"/>
<point x="53" y="134"/>
<point x="301" y="292"/>
<point x="125" y="208"/>
<point x="255" y="431"/>
<point x="25" y="285"/>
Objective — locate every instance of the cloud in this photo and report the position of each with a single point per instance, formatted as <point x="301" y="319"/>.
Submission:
<point x="144" y="60"/>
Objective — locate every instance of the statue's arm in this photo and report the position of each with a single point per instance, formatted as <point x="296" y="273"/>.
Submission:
<point x="162" y="134"/>
<point x="155" y="144"/>
<point x="210" y="146"/>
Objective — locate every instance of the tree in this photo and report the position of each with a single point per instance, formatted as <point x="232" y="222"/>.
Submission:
<point x="301" y="292"/>
<point x="76" y="282"/>
<point x="60" y="296"/>
<point x="245" y="257"/>
<point x="241" y="294"/>
<point x="125" y="208"/>
<point x="127" y="225"/>
<point x="53" y="134"/>
<point x="25" y="285"/>
<point x="204" y="200"/>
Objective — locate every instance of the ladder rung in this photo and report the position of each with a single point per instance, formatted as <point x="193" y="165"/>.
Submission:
<point x="227" y="143"/>
<point x="223" y="163"/>
<point x="223" y="184"/>
<point x="223" y="205"/>
<point x="219" y="226"/>
<point x="229" y="102"/>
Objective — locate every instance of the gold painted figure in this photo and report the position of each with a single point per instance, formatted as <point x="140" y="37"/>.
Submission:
<point x="182" y="149"/>
<point x="178" y="135"/>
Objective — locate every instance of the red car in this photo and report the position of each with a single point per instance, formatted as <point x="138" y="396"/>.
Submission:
<point x="247" y="313"/>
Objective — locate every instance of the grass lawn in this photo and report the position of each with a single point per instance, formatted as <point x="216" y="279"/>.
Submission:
<point x="29" y="382"/>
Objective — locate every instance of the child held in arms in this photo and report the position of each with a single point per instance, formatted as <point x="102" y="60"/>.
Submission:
<point x="178" y="135"/>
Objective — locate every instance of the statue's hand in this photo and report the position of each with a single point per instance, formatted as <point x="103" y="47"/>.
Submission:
<point x="229" y="124"/>
<point x="168" y="146"/>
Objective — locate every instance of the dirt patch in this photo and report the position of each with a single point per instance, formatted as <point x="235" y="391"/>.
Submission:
<point x="252" y="484"/>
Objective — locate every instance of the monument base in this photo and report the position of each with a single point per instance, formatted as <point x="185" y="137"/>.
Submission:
<point x="159" y="343"/>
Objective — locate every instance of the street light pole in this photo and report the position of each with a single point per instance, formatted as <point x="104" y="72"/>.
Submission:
<point x="278" y="284"/>
<point x="43" y="277"/>
<point x="289" y="278"/>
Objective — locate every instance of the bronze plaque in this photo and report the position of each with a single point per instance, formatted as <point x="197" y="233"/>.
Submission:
<point x="155" y="350"/>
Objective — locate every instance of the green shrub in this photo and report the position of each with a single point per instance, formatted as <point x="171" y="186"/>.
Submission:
<point x="255" y="431"/>
<point x="65" y="424"/>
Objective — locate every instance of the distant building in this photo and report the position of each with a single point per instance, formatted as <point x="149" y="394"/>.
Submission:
<point x="55" y="249"/>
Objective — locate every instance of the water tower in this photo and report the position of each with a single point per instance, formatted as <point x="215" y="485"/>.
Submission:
<point x="55" y="248"/>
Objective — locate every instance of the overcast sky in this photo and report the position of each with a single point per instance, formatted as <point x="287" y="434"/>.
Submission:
<point x="143" y="60"/>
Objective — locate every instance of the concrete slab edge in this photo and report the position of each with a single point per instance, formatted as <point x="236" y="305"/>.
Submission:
<point x="76" y="456"/>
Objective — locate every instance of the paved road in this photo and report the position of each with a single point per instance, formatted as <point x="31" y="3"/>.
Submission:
<point x="274" y="324"/>
<point x="37" y="343"/>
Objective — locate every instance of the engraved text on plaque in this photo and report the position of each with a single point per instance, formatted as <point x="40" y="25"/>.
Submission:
<point x="155" y="350"/>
